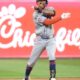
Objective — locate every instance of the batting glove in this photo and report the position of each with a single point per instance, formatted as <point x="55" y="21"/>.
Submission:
<point x="65" y="15"/>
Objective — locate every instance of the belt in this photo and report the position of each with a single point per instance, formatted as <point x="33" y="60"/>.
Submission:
<point x="45" y="37"/>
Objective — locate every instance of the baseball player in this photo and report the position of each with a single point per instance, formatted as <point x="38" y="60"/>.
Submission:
<point x="43" y="17"/>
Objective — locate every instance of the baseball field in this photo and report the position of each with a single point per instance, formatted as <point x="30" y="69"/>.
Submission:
<point x="13" y="69"/>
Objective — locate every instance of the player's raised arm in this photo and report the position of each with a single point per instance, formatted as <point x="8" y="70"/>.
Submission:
<point x="48" y="21"/>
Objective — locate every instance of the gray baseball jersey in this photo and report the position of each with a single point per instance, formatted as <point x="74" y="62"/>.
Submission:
<point x="44" y="39"/>
<point x="41" y="29"/>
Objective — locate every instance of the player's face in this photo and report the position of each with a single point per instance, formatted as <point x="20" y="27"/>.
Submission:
<point x="41" y="4"/>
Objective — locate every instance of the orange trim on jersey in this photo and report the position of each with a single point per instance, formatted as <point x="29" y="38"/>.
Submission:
<point x="51" y="21"/>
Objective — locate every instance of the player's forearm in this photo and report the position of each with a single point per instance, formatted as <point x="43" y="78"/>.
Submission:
<point x="51" y="21"/>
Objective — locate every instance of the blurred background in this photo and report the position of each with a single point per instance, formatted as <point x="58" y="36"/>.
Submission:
<point x="17" y="39"/>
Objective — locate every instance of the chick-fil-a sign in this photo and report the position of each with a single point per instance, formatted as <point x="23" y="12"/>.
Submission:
<point x="17" y="30"/>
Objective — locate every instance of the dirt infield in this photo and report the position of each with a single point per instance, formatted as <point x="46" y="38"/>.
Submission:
<point x="47" y="79"/>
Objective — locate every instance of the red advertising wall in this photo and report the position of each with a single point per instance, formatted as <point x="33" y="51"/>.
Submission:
<point x="17" y="29"/>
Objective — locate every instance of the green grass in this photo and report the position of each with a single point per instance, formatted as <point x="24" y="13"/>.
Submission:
<point x="15" y="68"/>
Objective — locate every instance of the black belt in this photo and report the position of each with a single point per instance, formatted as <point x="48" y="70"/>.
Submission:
<point x="45" y="37"/>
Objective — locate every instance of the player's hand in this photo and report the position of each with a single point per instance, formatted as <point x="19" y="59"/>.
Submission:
<point x="65" y="15"/>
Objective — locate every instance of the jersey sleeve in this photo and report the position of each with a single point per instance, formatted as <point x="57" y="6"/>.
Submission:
<point x="38" y="18"/>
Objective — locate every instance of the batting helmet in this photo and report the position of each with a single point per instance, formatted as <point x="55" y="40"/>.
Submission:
<point x="42" y="0"/>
